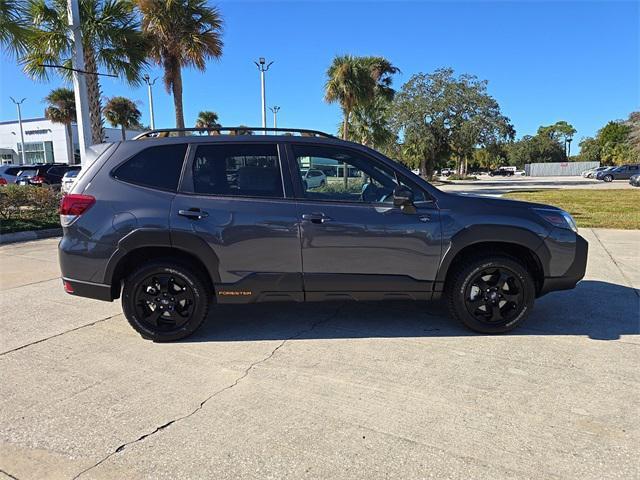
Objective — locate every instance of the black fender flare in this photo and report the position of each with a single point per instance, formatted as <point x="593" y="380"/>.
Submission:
<point x="477" y="234"/>
<point x="187" y="242"/>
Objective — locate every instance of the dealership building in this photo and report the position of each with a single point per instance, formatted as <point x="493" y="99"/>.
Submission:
<point x="45" y="141"/>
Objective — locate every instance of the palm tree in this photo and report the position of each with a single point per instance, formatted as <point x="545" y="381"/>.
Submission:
<point x="349" y="83"/>
<point x="111" y="41"/>
<point x="207" y="120"/>
<point x="13" y="27"/>
<point x="181" y="33"/>
<point x="62" y="109"/>
<point x="122" y="112"/>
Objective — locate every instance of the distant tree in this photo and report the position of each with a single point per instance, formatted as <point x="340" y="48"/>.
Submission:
<point x="634" y="134"/>
<point x="444" y="115"/>
<point x="207" y="119"/>
<point x="181" y="33"/>
<point x="562" y="132"/>
<point x="590" y="150"/>
<point x="111" y="39"/>
<point x="535" y="149"/>
<point x="122" y="112"/>
<point x="61" y="108"/>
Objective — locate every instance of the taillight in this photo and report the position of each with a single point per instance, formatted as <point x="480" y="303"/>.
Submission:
<point x="3" y="181"/>
<point x="37" y="179"/>
<point x="74" y="205"/>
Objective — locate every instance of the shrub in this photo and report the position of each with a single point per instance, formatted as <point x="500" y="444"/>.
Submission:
<point x="28" y="202"/>
<point x="457" y="176"/>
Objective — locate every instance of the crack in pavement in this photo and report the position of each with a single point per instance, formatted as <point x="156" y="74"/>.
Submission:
<point x="58" y="335"/>
<point x="244" y="375"/>
<point x="8" y="474"/>
<point x="626" y="279"/>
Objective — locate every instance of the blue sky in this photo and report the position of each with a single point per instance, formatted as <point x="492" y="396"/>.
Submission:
<point x="545" y="61"/>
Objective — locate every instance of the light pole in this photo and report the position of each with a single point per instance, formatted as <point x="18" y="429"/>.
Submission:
<point x="79" y="80"/>
<point x="569" y="140"/>
<point x="20" y="125"/>
<point x="275" y="110"/>
<point x="263" y="66"/>
<point x="150" y="83"/>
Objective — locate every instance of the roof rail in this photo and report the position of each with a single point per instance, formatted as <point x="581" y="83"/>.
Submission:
<point x="240" y="130"/>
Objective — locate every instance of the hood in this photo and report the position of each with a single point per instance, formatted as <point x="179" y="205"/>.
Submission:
<point x="497" y="202"/>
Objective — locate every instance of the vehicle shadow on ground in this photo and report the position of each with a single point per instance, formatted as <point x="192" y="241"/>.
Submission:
<point x="598" y="310"/>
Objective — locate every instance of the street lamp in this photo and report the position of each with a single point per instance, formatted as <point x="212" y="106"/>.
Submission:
<point x="20" y="124"/>
<point x="275" y="110"/>
<point x="263" y="66"/>
<point x="150" y="83"/>
<point x="569" y="140"/>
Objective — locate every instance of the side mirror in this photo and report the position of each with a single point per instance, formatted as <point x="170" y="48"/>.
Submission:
<point x="403" y="198"/>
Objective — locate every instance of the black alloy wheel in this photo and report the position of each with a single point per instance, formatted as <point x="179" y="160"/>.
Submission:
<point x="490" y="294"/>
<point x="166" y="300"/>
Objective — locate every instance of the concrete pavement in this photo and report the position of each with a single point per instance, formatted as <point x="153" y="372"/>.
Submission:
<point x="486" y="185"/>
<point x="365" y="390"/>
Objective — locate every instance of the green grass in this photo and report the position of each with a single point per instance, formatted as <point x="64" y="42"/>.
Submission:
<point x="25" y="224"/>
<point x="590" y="207"/>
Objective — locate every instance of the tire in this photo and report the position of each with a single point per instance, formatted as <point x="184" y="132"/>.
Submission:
<point x="165" y="300"/>
<point x="513" y="299"/>
<point x="607" y="178"/>
<point x="322" y="183"/>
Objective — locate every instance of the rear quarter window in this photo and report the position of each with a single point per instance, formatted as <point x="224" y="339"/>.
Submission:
<point x="156" y="167"/>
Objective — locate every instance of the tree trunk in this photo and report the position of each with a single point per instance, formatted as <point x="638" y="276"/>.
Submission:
<point x="176" y="89"/>
<point x="124" y="136"/>
<point x="345" y="136"/>
<point x="93" y="92"/>
<point x="71" y="158"/>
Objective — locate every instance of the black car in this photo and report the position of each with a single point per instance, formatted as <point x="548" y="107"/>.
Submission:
<point x="173" y="224"/>
<point x="45" y="174"/>
<point x="504" y="172"/>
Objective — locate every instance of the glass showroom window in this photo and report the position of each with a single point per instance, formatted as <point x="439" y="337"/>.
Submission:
<point x="37" y="152"/>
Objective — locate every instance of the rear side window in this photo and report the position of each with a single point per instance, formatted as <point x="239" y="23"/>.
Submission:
<point x="238" y="170"/>
<point x="155" y="167"/>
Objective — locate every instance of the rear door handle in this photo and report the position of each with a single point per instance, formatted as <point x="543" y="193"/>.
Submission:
<point x="193" y="213"/>
<point x="315" y="217"/>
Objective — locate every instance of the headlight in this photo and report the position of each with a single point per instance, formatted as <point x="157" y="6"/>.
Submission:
<point x="557" y="218"/>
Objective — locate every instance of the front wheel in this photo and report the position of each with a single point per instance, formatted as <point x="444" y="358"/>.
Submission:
<point x="493" y="294"/>
<point x="165" y="300"/>
<point x="608" y="178"/>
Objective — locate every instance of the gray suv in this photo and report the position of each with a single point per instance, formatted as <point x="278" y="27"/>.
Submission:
<point x="173" y="223"/>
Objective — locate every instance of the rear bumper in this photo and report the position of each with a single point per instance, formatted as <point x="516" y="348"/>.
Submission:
<point x="79" y="288"/>
<point x="574" y="274"/>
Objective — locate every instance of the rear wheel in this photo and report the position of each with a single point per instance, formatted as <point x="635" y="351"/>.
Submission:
<point x="493" y="294"/>
<point x="165" y="300"/>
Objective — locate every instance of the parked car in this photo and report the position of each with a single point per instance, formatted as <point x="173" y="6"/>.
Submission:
<point x="503" y="171"/>
<point x="520" y="173"/>
<point x="591" y="173"/>
<point x="9" y="173"/>
<point x="635" y="180"/>
<point x="47" y="174"/>
<point x="313" y="178"/>
<point x="68" y="179"/>
<point x="446" y="172"/>
<point x="156" y="222"/>
<point x="623" y="172"/>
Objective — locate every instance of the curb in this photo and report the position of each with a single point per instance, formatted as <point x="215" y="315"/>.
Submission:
<point x="30" y="235"/>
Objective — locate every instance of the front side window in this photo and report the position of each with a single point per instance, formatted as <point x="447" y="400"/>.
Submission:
<point x="237" y="170"/>
<point x="155" y="167"/>
<point x="366" y="181"/>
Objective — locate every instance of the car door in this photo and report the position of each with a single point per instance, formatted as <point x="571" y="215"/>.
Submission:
<point x="234" y="199"/>
<point x="355" y="242"/>
<point x="629" y="171"/>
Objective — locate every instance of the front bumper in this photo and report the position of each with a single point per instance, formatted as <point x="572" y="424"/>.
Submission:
<point x="574" y="273"/>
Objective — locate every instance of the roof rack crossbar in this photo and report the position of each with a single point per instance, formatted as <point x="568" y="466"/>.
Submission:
<point x="240" y="130"/>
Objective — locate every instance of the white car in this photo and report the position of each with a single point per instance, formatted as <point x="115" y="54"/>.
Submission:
<point x="591" y="173"/>
<point x="68" y="179"/>
<point x="312" y="178"/>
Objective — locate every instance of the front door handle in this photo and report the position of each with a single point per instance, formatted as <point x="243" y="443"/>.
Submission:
<point x="193" y="213"/>
<point x="315" y="217"/>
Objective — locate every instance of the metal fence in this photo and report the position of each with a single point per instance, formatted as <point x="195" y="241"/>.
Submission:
<point x="559" y="169"/>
